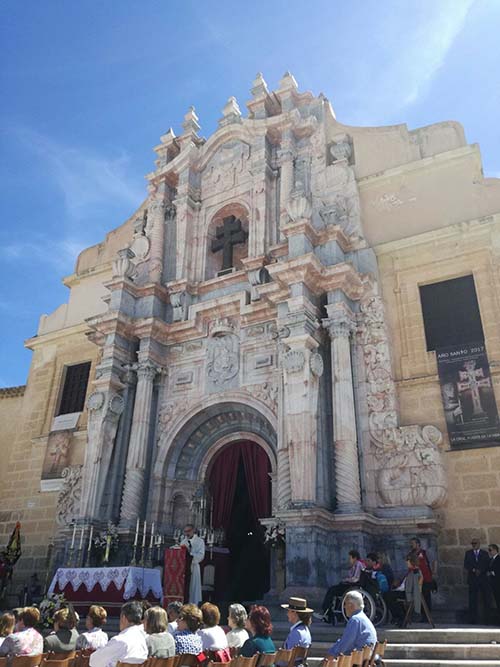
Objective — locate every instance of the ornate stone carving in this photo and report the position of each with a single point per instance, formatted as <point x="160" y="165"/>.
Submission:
<point x="267" y="392"/>
<point x="68" y="503"/>
<point x="146" y="370"/>
<point x="227" y="167"/>
<point x="180" y="302"/>
<point x="223" y="361"/>
<point x="339" y="324"/>
<point x="299" y="208"/>
<point x="340" y="148"/>
<point x="95" y="401"/>
<point x="411" y="471"/>
<point x="123" y="266"/>
<point x="116" y="404"/>
<point x="316" y="364"/>
<point x="293" y="361"/>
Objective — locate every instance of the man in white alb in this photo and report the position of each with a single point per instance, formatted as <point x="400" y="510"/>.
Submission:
<point x="196" y="548"/>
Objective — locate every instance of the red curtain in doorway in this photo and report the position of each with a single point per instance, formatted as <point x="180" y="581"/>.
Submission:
<point x="223" y="484"/>
<point x="224" y="476"/>
<point x="257" y="470"/>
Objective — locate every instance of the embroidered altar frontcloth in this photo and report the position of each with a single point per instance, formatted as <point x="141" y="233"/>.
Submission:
<point x="133" y="579"/>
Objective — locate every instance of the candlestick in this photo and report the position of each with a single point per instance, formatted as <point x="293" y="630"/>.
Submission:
<point x="108" y="545"/>
<point x="136" y="539"/>
<point x="152" y="534"/>
<point x="144" y="534"/>
<point x="90" y="538"/>
<point x="73" y="538"/>
<point x="81" y="539"/>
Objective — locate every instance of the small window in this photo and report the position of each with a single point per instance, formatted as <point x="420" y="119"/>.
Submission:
<point x="75" y="387"/>
<point x="451" y="313"/>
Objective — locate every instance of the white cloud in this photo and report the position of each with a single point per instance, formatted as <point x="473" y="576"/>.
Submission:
<point x="414" y="49"/>
<point x="57" y="254"/>
<point x="87" y="179"/>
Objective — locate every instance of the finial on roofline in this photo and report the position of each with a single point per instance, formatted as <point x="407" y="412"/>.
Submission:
<point x="288" y="82"/>
<point x="259" y="86"/>
<point x="190" y="124"/>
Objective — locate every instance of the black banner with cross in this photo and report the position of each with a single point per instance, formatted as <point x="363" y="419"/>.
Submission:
<point x="468" y="396"/>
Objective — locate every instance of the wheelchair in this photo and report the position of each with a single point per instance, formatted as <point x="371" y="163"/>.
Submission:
<point x="375" y="606"/>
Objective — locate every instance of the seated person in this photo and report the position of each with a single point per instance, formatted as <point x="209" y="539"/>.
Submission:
<point x="213" y="637"/>
<point x="26" y="640"/>
<point x="359" y="630"/>
<point x="159" y="641"/>
<point x="64" y="636"/>
<point x="299" y="616"/>
<point x="127" y="646"/>
<point x="173" y="611"/>
<point x="236" y="619"/>
<point x="187" y="639"/>
<point x="374" y="580"/>
<point x="260" y="628"/>
<point x="94" y="637"/>
<point x="7" y="624"/>
<point x="356" y="567"/>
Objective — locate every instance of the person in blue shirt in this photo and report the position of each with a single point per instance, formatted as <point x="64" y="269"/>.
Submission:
<point x="299" y="616"/>
<point x="359" y="630"/>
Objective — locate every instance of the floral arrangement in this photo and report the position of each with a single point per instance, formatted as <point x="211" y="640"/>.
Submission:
<point x="106" y="541"/>
<point x="48" y="607"/>
<point x="275" y="535"/>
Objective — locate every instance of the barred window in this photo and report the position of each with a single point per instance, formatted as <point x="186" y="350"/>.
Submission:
<point x="75" y="387"/>
<point x="451" y="313"/>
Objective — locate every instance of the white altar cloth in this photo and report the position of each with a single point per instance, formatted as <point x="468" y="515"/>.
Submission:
<point x="140" y="579"/>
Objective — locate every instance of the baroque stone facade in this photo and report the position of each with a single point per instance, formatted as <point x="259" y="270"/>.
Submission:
<point x="310" y="344"/>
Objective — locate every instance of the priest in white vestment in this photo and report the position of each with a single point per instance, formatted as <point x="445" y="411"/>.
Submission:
<point x="196" y="548"/>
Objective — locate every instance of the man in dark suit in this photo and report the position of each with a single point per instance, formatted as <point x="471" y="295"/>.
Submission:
<point x="477" y="562"/>
<point x="494" y="574"/>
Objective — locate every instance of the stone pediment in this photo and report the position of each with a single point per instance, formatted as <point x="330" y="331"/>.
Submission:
<point x="226" y="168"/>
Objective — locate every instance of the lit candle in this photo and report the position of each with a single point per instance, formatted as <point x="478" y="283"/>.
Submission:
<point x="81" y="538"/>
<point x="144" y="534"/>
<point x="108" y="545"/>
<point x="74" y="534"/>
<point x="136" y="539"/>
<point x="90" y="538"/>
<point x="152" y="534"/>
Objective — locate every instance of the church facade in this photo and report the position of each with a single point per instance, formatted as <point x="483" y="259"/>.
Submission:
<point x="264" y="311"/>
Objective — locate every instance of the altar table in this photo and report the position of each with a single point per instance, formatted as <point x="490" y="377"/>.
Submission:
<point x="107" y="586"/>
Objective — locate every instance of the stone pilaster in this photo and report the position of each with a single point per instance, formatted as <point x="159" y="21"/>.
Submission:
<point x="285" y="159"/>
<point x="302" y="367"/>
<point x="133" y="491"/>
<point x="340" y="325"/>
<point x="156" y="231"/>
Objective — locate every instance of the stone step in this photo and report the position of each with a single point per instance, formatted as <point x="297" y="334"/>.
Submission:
<point x="444" y="651"/>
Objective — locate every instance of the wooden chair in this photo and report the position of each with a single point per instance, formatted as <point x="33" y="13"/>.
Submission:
<point x="409" y="614"/>
<point x="345" y="661"/>
<point x="234" y="651"/>
<point x="378" y="652"/>
<point x="69" y="655"/>
<point x="357" y="658"/>
<point x="241" y="661"/>
<point x="173" y="661"/>
<point x="211" y="663"/>
<point x="299" y="656"/>
<point x="56" y="663"/>
<point x="27" y="660"/>
<point x="3" y="662"/>
<point x="366" y="655"/>
<point x="126" y="664"/>
<point x="284" y="657"/>
<point x="266" y="659"/>
<point x="187" y="660"/>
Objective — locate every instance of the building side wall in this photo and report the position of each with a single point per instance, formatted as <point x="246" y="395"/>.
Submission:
<point x="473" y="474"/>
<point x="21" y="497"/>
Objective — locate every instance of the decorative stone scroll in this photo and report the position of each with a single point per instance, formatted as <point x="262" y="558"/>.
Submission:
<point x="223" y="360"/>
<point x="68" y="503"/>
<point x="410" y="466"/>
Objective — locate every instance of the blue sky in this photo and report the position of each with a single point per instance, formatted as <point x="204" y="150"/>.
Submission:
<point x="89" y="86"/>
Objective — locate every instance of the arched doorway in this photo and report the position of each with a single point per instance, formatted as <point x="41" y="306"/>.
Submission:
<point x="240" y="486"/>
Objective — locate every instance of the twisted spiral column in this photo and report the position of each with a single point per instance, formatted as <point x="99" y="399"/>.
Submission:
<point x="348" y="490"/>
<point x="133" y="490"/>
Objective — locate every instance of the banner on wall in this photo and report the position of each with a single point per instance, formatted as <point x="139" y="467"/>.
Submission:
<point x="467" y="392"/>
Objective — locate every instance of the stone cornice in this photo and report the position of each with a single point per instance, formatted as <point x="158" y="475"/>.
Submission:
<point x="319" y="237"/>
<point x="318" y="278"/>
<point x="53" y="336"/>
<point x="138" y="291"/>
<point x="12" y="392"/>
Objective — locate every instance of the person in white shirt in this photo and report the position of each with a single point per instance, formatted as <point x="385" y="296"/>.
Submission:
<point x="129" y="645"/>
<point x="212" y="635"/>
<point x="173" y="611"/>
<point x="95" y="637"/>
<point x="196" y="548"/>
<point x="236" y="619"/>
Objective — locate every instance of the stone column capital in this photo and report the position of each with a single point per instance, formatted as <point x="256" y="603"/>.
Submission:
<point x="146" y="370"/>
<point x="340" y="325"/>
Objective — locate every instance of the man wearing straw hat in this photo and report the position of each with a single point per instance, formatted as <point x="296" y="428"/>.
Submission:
<point x="299" y="615"/>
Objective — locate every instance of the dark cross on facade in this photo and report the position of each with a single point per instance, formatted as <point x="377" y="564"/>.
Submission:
<point x="227" y="236"/>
